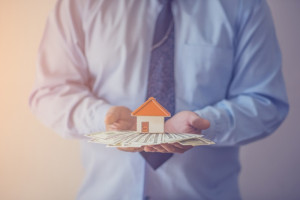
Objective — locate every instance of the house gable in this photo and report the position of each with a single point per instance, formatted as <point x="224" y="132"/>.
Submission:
<point x="151" y="108"/>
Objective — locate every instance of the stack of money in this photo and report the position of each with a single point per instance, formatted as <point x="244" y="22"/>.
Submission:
<point x="136" y="139"/>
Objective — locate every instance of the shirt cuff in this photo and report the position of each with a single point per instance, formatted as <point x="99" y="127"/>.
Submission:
<point x="90" y="119"/>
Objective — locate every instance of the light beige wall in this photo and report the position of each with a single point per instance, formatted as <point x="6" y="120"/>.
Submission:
<point x="270" y="167"/>
<point x="156" y="124"/>
<point x="35" y="163"/>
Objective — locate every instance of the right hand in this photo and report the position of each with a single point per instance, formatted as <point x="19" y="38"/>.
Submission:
<point x="119" y="118"/>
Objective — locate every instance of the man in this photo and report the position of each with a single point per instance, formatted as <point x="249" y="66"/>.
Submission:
<point x="97" y="63"/>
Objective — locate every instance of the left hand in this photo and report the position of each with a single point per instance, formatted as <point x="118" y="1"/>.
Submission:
<point x="182" y="122"/>
<point x="119" y="118"/>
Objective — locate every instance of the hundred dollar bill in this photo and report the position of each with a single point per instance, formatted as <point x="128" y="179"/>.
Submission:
<point x="136" y="139"/>
<point x="196" y="142"/>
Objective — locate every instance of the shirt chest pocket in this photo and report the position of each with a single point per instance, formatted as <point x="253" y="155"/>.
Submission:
<point x="203" y="73"/>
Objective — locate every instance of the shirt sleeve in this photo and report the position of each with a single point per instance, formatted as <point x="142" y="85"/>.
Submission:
<point x="256" y="101"/>
<point x="62" y="98"/>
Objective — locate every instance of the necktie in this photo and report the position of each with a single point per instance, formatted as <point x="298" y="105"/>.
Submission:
<point x="161" y="73"/>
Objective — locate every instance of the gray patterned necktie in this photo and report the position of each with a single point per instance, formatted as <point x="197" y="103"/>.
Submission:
<point x="161" y="83"/>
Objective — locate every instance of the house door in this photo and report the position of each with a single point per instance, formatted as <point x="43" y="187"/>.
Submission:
<point x="145" y="127"/>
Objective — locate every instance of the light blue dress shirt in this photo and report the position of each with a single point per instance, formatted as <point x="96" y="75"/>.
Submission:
<point x="95" y="54"/>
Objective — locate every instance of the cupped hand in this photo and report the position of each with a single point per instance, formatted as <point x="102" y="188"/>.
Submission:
<point x="182" y="122"/>
<point x="119" y="118"/>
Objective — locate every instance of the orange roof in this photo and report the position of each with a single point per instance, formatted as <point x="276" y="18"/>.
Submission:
<point x="151" y="108"/>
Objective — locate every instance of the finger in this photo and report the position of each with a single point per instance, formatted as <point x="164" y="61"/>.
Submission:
<point x="124" y="112"/>
<point x="150" y="146"/>
<point x="121" y="119"/>
<point x="194" y="130"/>
<point x="111" y="116"/>
<point x="172" y="149"/>
<point x="131" y="149"/>
<point x="160" y="149"/>
<point x="199" y="123"/>
<point x="116" y="113"/>
<point x="182" y="146"/>
<point x="149" y="149"/>
<point x="112" y="127"/>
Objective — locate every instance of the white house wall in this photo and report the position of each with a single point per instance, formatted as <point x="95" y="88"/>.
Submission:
<point x="156" y="124"/>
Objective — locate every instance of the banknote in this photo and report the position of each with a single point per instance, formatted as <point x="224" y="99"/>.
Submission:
<point x="136" y="139"/>
<point x="196" y="142"/>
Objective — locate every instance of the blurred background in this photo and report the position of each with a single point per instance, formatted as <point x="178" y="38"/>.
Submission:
<point x="35" y="163"/>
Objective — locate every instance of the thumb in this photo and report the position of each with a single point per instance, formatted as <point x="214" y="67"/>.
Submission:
<point x="112" y="116"/>
<point x="199" y="123"/>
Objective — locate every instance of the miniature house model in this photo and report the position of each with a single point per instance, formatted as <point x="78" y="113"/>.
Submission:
<point x="150" y="117"/>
